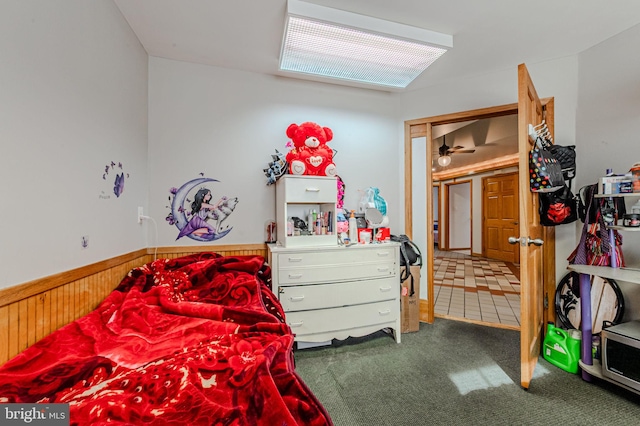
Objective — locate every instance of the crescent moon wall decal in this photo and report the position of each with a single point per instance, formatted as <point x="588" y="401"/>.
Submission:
<point x="180" y="215"/>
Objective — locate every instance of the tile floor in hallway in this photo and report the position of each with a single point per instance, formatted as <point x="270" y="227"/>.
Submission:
<point x="477" y="289"/>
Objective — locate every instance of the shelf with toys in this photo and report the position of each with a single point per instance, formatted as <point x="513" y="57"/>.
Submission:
<point x="610" y="190"/>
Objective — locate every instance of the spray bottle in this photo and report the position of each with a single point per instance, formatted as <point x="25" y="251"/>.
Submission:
<point x="353" y="228"/>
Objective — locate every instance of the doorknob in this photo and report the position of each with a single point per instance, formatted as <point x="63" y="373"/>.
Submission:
<point x="528" y="241"/>
<point x="535" y="241"/>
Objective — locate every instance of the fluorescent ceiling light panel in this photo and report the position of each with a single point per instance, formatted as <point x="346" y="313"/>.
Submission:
<point x="332" y="43"/>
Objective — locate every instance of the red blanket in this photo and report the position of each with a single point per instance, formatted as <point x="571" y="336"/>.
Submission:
<point x="198" y="340"/>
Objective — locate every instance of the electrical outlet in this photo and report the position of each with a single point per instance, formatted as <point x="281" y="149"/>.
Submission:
<point x="140" y="214"/>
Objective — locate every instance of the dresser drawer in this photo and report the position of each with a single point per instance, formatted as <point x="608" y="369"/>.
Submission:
<point x="340" y="256"/>
<point x="338" y="273"/>
<point x="318" y="296"/>
<point x="342" y="318"/>
<point x="301" y="189"/>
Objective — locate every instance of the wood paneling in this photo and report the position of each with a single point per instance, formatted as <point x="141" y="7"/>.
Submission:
<point x="33" y="310"/>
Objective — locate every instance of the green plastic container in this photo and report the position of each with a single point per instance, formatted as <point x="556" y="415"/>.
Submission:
<point x="562" y="348"/>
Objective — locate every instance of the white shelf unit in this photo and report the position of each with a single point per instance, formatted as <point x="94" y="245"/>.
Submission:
<point x="595" y="370"/>
<point x="295" y="197"/>
<point x="624" y="194"/>
<point x="591" y="367"/>
<point x="624" y="228"/>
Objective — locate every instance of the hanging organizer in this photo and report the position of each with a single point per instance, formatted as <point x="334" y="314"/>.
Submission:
<point x="545" y="172"/>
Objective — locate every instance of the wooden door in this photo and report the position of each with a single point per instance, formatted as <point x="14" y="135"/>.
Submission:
<point x="500" y="213"/>
<point x="532" y="274"/>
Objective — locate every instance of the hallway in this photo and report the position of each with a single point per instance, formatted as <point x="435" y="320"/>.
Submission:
<point x="479" y="290"/>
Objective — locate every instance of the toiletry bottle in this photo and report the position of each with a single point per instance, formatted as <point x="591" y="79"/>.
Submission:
<point x="353" y="228"/>
<point x="318" y="224"/>
<point x="290" y="227"/>
<point x="323" y="223"/>
<point x="311" y="222"/>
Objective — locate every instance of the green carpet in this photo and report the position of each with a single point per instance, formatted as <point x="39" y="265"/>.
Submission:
<point x="453" y="373"/>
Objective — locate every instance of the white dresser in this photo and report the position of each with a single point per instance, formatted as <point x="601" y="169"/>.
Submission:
<point x="338" y="292"/>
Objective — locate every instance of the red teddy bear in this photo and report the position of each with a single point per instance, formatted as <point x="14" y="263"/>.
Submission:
<point x="310" y="155"/>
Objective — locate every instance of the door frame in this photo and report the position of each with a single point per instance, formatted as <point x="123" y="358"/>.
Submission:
<point x="423" y="127"/>
<point x="437" y="202"/>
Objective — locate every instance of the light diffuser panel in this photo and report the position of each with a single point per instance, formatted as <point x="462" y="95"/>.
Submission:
<point x="321" y="48"/>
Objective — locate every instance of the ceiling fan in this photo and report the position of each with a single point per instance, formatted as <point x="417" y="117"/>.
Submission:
<point x="445" y="150"/>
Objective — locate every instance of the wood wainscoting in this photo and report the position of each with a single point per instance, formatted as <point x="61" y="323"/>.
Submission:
<point x="33" y="310"/>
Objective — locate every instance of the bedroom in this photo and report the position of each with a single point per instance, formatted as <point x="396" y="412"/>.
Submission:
<point x="84" y="93"/>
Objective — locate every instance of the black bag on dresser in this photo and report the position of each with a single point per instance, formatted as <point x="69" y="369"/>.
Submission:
<point x="409" y="256"/>
<point x="409" y="252"/>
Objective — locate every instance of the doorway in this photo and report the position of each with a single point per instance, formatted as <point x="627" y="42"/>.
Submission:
<point x="469" y="286"/>
<point x="484" y="141"/>
<point x="458" y="222"/>
<point x="436" y="215"/>
<point x="536" y="243"/>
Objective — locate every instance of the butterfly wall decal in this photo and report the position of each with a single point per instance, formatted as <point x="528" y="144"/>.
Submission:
<point x="118" y="185"/>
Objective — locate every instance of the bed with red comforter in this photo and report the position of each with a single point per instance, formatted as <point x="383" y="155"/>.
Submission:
<point x="198" y="340"/>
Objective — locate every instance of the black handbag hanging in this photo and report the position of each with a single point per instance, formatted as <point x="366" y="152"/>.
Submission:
<point x="545" y="172"/>
<point x="566" y="156"/>
<point x="558" y="208"/>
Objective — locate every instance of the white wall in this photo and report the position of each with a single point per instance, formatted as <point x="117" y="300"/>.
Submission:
<point x="73" y="99"/>
<point x="226" y="124"/>
<point x="608" y="119"/>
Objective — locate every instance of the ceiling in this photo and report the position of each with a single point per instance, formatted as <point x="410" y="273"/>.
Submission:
<point x="488" y="36"/>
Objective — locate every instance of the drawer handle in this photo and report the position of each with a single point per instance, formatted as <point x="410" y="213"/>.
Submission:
<point x="383" y="254"/>
<point x="383" y="269"/>
<point x="296" y="324"/>
<point x="295" y="259"/>
<point x="385" y="289"/>
<point x="295" y="276"/>
<point x="296" y="298"/>
<point x="385" y="312"/>
<point x="312" y="189"/>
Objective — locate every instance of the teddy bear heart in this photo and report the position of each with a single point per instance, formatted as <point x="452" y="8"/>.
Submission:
<point x="297" y="167"/>
<point x="315" y="161"/>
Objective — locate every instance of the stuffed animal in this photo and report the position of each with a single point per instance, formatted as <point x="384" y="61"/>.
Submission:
<point x="310" y="154"/>
<point x="277" y="167"/>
